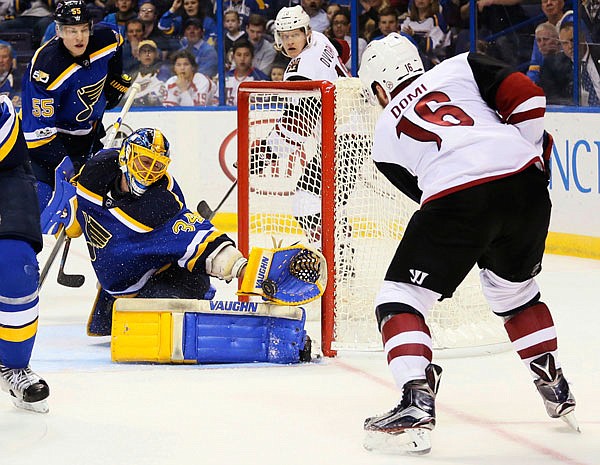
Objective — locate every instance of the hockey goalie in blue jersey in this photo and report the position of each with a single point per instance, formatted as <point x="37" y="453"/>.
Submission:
<point x="144" y="242"/>
<point x="20" y="241"/>
<point x="70" y="82"/>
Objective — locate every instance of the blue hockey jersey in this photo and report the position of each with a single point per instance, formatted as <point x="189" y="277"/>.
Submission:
<point x="131" y="238"/>
<point x="63" y="99"/>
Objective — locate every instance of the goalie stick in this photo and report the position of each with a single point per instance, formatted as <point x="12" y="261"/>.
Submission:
<point x="77" y="280"/>
<point x="206" y="212"/>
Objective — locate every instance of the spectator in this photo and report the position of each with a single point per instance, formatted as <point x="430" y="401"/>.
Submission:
<point x="387" y="23"/>
<point x="368" y="19"/>
<point x="134" y="33"/>
<point x="205" y="55"/>
<point x="152" y="91"/>
<point x="245" y="8"/>
<point x="187" y="87"/>
<point x="9" y="86"/>
<point x="264" y="52"/>
<point x="232" y="24"/>
<point x="126" y="10"/>
<point x="495" y="16"/>
<point x="546" y="43"/>
<point x="340" y="28"/>
<point x="147" y="14"/>
<point x="589" y="54"/>
<point x="330" y="10"/>
<point x="553" y="9"/>
<point x="590" y="15"/>
<point x="242" y="53"/>
<point x="429" y="31"/>
<point x="318" y="18"/>
<point x="171" y="22"/>
<point x="277" y="71"/>
<point x="33" y="16"/>
<point x="556" y="73"/>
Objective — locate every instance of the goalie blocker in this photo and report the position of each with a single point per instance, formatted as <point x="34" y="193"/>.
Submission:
<point x="207" y="331"/>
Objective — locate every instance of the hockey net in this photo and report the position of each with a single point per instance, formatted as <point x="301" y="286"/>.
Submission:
<point x="363" y="218"/>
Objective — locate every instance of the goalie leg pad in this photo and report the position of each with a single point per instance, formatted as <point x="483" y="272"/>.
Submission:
<point x="165" y="333"/>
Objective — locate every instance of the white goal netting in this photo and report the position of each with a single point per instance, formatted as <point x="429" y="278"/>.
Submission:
<point x="362" y="216"/>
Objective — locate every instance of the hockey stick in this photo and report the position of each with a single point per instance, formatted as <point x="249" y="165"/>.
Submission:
<point x="57" y="245"/>
<point x="206" y="212"/>
<point x="77" y="280"/>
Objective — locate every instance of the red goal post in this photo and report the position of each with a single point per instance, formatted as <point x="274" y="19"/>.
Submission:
<point x="322" y="145"/>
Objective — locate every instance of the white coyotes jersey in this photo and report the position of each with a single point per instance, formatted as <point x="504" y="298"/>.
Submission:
<point x="441" y="130"/>
<point x="318" y="61"/>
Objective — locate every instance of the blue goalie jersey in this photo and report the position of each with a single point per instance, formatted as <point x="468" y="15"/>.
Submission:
<point x="63" y="98"/>
<point x="131" y="238"/>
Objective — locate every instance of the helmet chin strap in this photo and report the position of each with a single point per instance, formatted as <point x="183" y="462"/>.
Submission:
<point x="135" y="187"/>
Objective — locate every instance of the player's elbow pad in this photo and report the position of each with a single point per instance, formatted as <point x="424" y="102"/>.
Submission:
<point x="226" y="263"/>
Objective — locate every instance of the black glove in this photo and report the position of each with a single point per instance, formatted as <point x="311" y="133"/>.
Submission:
<point x="114" y="89"/>
<point x="260" y="156"/>
<point x="547" y="144"/>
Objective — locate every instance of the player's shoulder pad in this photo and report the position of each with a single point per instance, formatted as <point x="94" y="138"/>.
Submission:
<point x="103" y="37"/>
<point x="99" y="172"/>
<point x="159" y="204"/>
<point x="49" y="62"/>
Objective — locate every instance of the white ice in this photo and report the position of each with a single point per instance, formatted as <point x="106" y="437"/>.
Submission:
<point x="489" y="412"/>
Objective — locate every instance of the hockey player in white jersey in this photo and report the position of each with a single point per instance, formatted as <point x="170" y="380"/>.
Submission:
<point x="313" y="57"/>
<point x="466" y="140"/>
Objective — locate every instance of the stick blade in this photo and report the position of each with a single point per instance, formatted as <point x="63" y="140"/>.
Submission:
<point x="204" y="210"/>
<point x="71" y="280"/>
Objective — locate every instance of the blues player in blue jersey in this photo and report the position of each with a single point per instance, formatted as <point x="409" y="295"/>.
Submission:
<point x="70" y="82"/>
<point x="20" y="240"/>
<point x="142" y="239"/>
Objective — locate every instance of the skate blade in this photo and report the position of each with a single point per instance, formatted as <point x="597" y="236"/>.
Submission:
<point x="414" y="441"/>
<point x="40" y="406"/>
<point x="570" y="420"/>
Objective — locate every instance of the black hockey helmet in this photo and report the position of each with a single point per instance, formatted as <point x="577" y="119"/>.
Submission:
<point x="72" y="12"/>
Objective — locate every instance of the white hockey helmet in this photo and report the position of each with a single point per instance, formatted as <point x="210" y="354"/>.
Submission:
<point x="389" y="62"/>
<point x="289" y="19"/>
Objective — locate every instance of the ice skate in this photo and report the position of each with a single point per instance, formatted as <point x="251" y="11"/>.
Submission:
<point x="554" y="389"/>
<point x="28" y="391"/>
<point x="406" y="428"/>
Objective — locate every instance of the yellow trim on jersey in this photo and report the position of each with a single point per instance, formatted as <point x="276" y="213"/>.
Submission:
<point x="63" y="76"/>
<point x="202" y="248"/>
<point x="89" y="195"/>
<point x="11" y="139"/>
<point x="19" y="334"/>
<point x="261" y="4"/>
<point x="170" y="185"/>
<point x="129" y="221"/>
<point x="40" y="142"/>
<point x="103" y="51"/>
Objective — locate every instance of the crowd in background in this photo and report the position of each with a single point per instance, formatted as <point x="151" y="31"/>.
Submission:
<point x="170" y="46"/>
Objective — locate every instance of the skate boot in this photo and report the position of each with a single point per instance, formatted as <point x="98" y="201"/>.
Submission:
<point x="406" y="428"/>
<point x="28" y="391"/>
<point x="554" y="389"/>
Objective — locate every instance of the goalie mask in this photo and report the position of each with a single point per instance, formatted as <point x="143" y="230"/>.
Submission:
<point x="290" y="19"/>
<point x="144" y="158"/>
<point x="389" y="62"/>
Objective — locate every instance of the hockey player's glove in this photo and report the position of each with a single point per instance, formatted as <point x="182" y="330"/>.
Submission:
<point x="261" y="155"/>
<point x="547" y="144"/>
<point x="114" y="89"/>
<point x="291" y="275"/>
<point x="63" y="204"/>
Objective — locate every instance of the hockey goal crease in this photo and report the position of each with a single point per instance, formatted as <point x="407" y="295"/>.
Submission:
<point x="325" y="133"/>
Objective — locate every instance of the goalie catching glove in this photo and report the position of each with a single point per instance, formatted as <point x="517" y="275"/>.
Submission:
<point x="291" y="275"/>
